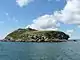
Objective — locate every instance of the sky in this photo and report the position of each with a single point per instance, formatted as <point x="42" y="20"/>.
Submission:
<point x="61" y="15"/>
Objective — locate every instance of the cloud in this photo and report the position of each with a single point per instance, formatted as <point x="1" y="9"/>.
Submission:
<point x="70" y="14"/>
<point x="23" y="3"/>
<point x="70" y="32"/>
<point x="46" y="22"/>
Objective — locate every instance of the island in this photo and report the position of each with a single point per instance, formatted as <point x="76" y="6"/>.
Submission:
<point x="33" y="35"/>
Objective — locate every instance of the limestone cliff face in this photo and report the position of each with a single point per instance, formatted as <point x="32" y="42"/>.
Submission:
<point x="32" y="35"/>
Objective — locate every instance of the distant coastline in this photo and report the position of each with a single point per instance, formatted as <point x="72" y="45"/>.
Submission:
<point x="33" y="35"/>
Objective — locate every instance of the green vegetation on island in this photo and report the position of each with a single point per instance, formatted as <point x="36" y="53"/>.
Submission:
<point x="32" y="35"/>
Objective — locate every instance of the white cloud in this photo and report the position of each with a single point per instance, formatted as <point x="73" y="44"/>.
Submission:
<point x="70" y="32"/>
<point x="46" y="22"/>
<point x="70" y="14"/>
<point x="22" y="3"/>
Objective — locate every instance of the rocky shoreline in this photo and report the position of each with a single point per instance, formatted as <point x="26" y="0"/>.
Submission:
<point x="54" y="40"/>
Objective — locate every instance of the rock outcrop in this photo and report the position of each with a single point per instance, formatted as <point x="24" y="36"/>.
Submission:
<point x="32" y="35"/>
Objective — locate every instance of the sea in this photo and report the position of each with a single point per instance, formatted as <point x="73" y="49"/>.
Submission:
<point x="40" y="51"/>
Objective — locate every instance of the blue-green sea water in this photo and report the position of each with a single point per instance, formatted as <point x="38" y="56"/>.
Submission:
<point x="39" y="51"/>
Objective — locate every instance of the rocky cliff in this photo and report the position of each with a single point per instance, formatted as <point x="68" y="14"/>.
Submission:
<point x="32" y="35"/>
